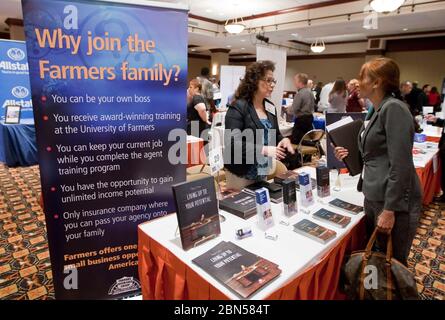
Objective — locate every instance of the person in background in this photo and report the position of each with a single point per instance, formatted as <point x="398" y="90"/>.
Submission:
<point x="196" y="109"/>
<point x="393" y="196"/>
<point x="354" y="102"/>
<point x="250" y="112"/>
<point x="207" y="87"/>
<point x="423" y="96"/>
<point x="302" y="108"/>
<point x="310" y="84"/>
<point x="317" y="90"/>
<point x="323" y="104"/>
<point x="413" y="99"/>
<point x="439" y="123"/>
<point x="405" y="90"/>
<point x="338" y="97"/>
<point x="215" y="91"/>
<point x="434" y="99"/>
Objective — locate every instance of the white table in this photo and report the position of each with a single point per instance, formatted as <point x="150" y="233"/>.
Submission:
<point x="293" y="253"/>
<point x="429" y="152"/>
<point x="433" y="133"/>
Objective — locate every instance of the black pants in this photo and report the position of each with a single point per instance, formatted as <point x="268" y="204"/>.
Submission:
<point x="302" y="125"/>
<point x="404" y="229"/>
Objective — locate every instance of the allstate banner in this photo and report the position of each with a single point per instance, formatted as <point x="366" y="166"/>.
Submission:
<point x="14" y="78"/>
<point x="109" y="84"/>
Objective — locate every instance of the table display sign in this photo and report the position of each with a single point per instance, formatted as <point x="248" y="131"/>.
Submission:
<point x="197" y="211"/>
<point x="14" y="78"/>
<point x="12" y="114"/>
<point x="108" y="84"/>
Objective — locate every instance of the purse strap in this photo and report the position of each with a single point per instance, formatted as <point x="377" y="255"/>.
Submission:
<point x="367" y="255"/>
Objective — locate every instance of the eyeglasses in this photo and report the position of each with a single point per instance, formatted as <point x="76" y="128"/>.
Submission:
<point x="270" y="81"/>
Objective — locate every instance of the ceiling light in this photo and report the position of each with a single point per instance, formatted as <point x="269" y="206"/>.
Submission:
<point x="243" y="40"/>
<point x="385" y="6"/>
<point x="234" y="26"/>
<point x="318" y="46"/>
<point x="243" y="48"/>
<point x="295" y="35"/>
<point x="209" y="10"/>
<point x="228" y="46"/>
<point x="405" y="29"/>
<point x="193" y="50"/>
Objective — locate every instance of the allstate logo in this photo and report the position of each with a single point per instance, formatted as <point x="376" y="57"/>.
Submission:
<point x="16" y="54"/>
<point x="20" y="92"/>
<point x="124" y="284"/>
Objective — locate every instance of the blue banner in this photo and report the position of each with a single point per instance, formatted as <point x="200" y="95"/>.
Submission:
<point x="109" y="84"/>
<point x="14" y="78"/>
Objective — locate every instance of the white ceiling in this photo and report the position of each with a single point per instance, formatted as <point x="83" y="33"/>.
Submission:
<point x="212" y="9"/>
<point x="330" y="32"/>
<point x="334" y="32"/>
<point x="223" y="10"/>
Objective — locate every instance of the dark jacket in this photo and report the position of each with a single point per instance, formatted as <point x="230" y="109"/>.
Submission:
<point x="386" y="148"/>
<point x="244" y="145"/>
<point x="415" y="101"/>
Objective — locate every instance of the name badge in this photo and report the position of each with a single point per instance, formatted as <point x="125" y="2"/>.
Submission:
<point x="270" y="107"/>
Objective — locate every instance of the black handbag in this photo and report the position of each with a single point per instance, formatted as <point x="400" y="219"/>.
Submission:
<point x="372" y="275"/>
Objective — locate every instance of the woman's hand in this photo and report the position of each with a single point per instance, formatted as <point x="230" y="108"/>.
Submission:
<point x="341" y="153"/>
<point x="385" y="221"/>
<point x="286" y="145"/>
<point x="274" y="152"/>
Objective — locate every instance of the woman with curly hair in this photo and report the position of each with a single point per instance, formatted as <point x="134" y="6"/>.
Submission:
<point x="252" y="137"/>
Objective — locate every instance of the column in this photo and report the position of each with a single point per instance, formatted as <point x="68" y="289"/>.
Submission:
<point x="219" y="57"/>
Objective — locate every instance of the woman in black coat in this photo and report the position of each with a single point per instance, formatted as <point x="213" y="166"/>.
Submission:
<point x="252" y="137"/>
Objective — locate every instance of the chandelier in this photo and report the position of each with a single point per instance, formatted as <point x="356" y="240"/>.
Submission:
<point x="318" y="46"/>
<point x="234" y="26"/>
<point x="385" y="6"/>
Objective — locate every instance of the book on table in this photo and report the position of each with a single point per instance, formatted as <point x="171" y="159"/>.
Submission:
<point x="197" y="211"/>
<point x="241" y="204"/>
<point x="332" y="218"/>
<point x="239" y="270"/>
<point x="314" y="231"/>
<point x="346" y="206"/>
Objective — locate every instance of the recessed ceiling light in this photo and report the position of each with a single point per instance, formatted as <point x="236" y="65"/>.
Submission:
<point x="243" y="48"/>
<point x="228" y="46"/>
<point x="193" y="49"/>
<point x="405" y="29"/>
<point x="294" y="35"/>
<point x="243" y="40"/>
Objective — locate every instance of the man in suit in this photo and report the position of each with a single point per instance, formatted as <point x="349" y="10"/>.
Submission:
<point x="414" y="100"/>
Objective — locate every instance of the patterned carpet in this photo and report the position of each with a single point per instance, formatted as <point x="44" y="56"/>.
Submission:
<point x="25" y="268"/>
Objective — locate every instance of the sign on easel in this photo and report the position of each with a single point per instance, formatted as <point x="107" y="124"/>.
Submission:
<point x="108" y="84"/>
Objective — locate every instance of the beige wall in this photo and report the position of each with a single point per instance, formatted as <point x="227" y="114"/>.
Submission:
<point x="324" y="70"/>
<point x="195" y="65"/>
<point x="422" y="66"/>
